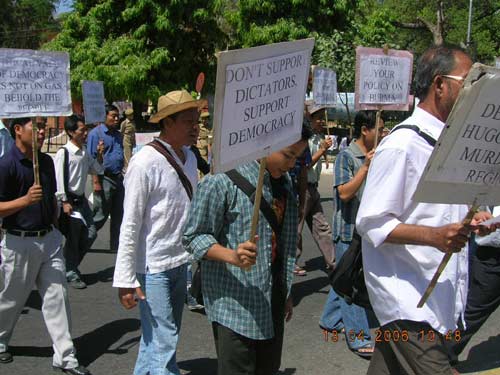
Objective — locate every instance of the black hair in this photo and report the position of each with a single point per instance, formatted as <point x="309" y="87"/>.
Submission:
<point x="306" y="131"/>
<point x="110" y="108"/>
<point x="367" y="119"/>
<point x="17" y="121"/>
<point x="71" y="123"/>
<point x="437" y="60"/>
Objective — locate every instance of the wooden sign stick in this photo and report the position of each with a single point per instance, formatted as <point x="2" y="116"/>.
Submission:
<point x="34" y="146"/>
<point x="256" y="203"/>
<point x="326" y="122"/>
<point x="445" y="260"/>
<point x="377" y="124"/>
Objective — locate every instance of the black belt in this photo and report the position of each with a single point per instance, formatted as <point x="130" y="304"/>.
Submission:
<point x="29" y="233"/>
<point x="113" y="175"/>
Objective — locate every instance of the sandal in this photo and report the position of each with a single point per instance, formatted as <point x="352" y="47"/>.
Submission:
<point x="365" y="351"/>
<point x="299" y="271"/>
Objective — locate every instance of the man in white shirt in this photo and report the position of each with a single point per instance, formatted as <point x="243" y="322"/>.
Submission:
<point x="151" y="263"/>
<point x="404" y="241"/>
<point x="73" y="163"/>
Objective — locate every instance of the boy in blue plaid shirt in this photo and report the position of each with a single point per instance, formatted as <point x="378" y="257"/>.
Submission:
<point x="246" y="286"/>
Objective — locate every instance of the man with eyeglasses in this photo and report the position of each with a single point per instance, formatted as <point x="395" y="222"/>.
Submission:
<point x="108" y="190"/>
<point x="404" y="241"/>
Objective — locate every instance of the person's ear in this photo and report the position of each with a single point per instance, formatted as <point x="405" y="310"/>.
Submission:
<point x="439" y="85"/>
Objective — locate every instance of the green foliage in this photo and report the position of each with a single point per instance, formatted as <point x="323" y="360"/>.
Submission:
<point x="140" y="49"/>
<point x="27" y="23"/>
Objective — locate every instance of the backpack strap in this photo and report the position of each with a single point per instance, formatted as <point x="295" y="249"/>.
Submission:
<point x="244" y="185"/>
<point x="430" y="140"/>
<point x="158" y="146"/>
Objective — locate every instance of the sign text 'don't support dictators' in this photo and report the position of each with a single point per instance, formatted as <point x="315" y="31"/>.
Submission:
<point x="262" y="97"/>
<point x="34" y="83"/>
<point x="465" y="166"/>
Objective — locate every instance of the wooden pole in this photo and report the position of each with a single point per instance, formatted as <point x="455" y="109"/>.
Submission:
<point x="326" y="122"/>
<point x="256" y="203"/>
<point x="34" y="145"/>
<point x="444" y="262"/>
<point x="377" y="124"/>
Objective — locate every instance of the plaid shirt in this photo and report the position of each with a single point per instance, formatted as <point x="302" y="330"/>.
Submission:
<point x="222" y="213"/>
<point x="347" y="165"/>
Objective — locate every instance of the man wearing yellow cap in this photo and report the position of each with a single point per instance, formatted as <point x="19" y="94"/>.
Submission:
<point x="151" y="260"/>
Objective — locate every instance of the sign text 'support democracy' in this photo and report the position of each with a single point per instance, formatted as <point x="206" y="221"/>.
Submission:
<point x="265" y="106"/>
<point x="34" y="83"/>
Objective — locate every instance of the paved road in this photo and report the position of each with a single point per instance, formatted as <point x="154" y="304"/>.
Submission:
<point x="107" y="336"/>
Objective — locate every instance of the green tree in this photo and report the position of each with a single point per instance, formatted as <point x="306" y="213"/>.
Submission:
<point x="27" y="23"/>
<point x="140" y="49"/>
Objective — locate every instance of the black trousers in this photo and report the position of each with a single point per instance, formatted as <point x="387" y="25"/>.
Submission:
<point x="240" y="355"/>
<point x="483" y="297"/>
<point x="405" y="347"/>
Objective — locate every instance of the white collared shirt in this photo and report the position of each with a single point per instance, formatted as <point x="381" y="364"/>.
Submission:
<point x="397" y="275"/>
<point x="155" y="209"/>
<point x="80" y="164"/>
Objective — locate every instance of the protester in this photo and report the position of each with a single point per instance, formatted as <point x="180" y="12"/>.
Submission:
<point x="73" y="164"/>
<point x="151" y="261"/>
<point x="404" y="241"/>
<point x="246" y="286"/>
<point x="205" y="138"/>
<point x="484" y="290"/>
<point x="313" y="211"/>
<point x="350" y="171"/>
<point x="32" y="247"/>
<point x="108" y="190"/>
<point x="6" y="141"/>
<point x="127" y="128"/>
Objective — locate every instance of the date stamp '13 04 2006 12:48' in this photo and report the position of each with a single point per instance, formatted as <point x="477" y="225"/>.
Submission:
<point x="392" y="335"/>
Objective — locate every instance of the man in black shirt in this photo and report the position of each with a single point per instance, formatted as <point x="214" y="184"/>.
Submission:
<point x="31" y="248"/>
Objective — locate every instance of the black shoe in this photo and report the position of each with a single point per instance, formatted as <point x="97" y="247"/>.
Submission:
<point x="5" y="357"/>
<point x="80" y="370"/>
<point x="77" y="283"/>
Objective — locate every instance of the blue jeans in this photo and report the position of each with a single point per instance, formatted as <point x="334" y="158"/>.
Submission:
<point x="354" y="317"/>
<point x="161" y="315"/>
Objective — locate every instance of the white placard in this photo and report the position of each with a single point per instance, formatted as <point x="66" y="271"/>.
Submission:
<point x="465" y="164"/>
<point x="497" y="62"/>
<point x="259" y="101"/>
<point x="34" y="83"/>
<point x="324" y="87"/>
<point x="383" y="78"/>
<point x="93" y="101"/>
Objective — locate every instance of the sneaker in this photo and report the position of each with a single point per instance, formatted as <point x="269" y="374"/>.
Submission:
<point x="77" y="283"/>
<point x="5" y="357"/>
<point x="192" y="305"/>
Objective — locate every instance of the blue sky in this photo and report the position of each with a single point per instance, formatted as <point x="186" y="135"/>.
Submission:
<point x="64" y="6"/>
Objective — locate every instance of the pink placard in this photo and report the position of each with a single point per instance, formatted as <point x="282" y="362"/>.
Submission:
<point x="383" y="79"/>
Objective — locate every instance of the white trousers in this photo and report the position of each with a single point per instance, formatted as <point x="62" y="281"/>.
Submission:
<point x="30" y="261"/>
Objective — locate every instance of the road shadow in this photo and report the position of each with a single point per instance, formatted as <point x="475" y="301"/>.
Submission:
<point x="307" y="287"/>
<point x="34" y="301"/>
<point x="315" y="264"/>
<point x="208" y="366"/>
<point x="484" y="356"/>
<point x="103" y="276"/>
<point x="199" y="366"/>
<point x="92" y="345"/>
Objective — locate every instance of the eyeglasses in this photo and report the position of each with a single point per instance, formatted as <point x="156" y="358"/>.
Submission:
<point x="455" y="78"/>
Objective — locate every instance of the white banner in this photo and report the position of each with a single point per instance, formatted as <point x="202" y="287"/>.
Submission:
<point x="34" y="83"/>
<point x="259" y="101"/>
<point x="324" y="87"/>
<point x="93" y="101"/>
<point x="382" y="78"/>
<point x="465" y="164"/>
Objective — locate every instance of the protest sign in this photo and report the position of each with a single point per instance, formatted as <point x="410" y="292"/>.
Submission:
<point x="93" y="101"/>
<point x="259" y="101"/>
<point x="497" y="62"/>
<point x="34" y="83"/>
<point x="383" y="79"/>
<point x="465" y="165"/>
<point x="324" y="87"/>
